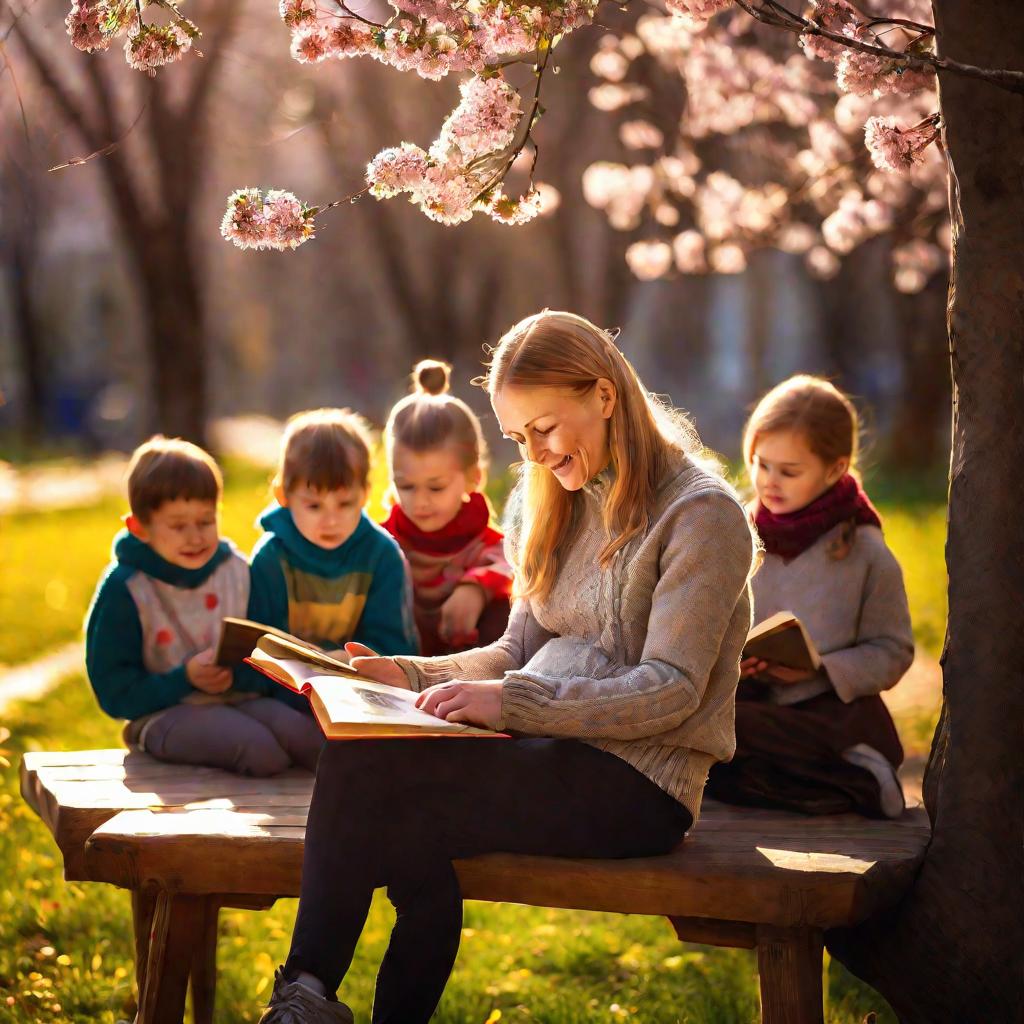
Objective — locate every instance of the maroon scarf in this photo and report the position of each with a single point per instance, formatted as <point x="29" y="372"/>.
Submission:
<point x="470" y="521"/>
<point x="792" y="533"/>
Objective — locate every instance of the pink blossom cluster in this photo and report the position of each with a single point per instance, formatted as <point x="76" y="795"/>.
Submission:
<point x="895" y="148"/>
<point x="155" y="45"/>
<point x="275" y="221"/>
<point x="434" y="38"/>
<point x="85" y="25"/>
<point x="94" y="24"/>
<point x="835" y="16"/>
<point x="915" y="263"/>
<point x="868" y="74"/>
<point x="485" y="120"/>
<point x="855" y="220"/>
<point x="802" y="190"/>
<point x="698" y="10"/>
<point x="462" y="171"/>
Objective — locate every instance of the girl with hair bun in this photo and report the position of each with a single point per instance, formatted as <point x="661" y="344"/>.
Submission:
<point x="437" y="459"/>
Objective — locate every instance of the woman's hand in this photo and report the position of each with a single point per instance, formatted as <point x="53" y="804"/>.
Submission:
<point x="472" y="703"/>
<point x="461" y="613"/>
<point x="384" y="670"/>
<point x="773" y="672"/>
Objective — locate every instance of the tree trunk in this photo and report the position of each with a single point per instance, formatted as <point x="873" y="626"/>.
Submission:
<point x="28" y="335"/>
<point x="954" y="949"/>
<point x="922" y="414"/>
<point x="165" y="262"/>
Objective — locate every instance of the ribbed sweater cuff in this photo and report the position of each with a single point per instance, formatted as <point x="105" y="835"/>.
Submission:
<point x="522" y="704"/>
<point x="425" y="672"/>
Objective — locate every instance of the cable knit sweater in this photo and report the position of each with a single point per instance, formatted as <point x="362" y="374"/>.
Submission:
<point x="640" y="659"/>
<point x="854" y="608"/>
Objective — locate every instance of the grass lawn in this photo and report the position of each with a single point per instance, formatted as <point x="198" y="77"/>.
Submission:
<point x="65" y="949"/>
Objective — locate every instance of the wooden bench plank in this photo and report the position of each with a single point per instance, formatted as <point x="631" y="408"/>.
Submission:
<point x="223" y="851"/>
<point x="741" y="864"/>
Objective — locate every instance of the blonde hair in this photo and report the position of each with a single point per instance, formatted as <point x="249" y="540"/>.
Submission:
<point x="813" y="407"/>
<point x="429" y="418"/>
<point x="326" y="449"/>
<point x="562" y="350"/>
<point x="167" y="468"/>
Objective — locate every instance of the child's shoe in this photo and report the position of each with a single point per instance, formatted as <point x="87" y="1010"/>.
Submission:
<point x="890" y="793"/>
<point x="292" y="1003"/>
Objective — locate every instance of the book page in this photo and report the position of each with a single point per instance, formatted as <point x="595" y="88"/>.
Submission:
<point x="362" y="702"/>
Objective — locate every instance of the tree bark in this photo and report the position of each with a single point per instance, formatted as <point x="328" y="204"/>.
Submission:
<point x="954" y="949"/>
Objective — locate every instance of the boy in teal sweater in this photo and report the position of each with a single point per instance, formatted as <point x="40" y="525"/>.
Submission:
<point x="324" y="570"/>
<point x="154" y="621"/>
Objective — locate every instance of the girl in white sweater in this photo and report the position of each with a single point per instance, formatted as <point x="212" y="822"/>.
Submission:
<point x="819" y="742"/>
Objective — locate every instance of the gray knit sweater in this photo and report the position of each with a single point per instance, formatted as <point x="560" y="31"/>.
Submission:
<point x="641" y="659"/>
<point x="855" y="610"/>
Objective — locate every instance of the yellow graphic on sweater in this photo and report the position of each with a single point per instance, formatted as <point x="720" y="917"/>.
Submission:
<point x="325" y="611"/>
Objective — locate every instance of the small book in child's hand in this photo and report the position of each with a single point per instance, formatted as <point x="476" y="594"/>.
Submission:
<point x="239" y="636"/>
<point x="347" y="705"/>
<point x="783" y="639"/>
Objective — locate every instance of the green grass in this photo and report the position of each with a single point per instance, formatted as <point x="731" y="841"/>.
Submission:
<point x="65" y="948"/>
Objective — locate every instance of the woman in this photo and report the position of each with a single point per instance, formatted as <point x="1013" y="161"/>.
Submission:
<point x="616" y="677"/>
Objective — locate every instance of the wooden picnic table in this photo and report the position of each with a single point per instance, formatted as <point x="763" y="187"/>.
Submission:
<point x="187" y="841"/>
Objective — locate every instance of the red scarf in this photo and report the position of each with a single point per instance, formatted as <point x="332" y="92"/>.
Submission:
<point x="470" y="521"/>
<point x="792" y="533"/>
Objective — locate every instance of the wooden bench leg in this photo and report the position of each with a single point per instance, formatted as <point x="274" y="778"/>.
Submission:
<point x="143" y="905"/>
<point x="204" y="963"/>
<point x="177" y="921"/>
<point x="789" y="964"/>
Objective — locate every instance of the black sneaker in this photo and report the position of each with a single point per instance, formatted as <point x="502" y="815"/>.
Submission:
<point x="292" y="1003"/>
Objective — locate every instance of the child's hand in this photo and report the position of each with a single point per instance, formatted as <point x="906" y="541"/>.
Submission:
<point x="461" y="613"/>
<point x="204" y="675"/>
<point x="477" y="703"/>
<point x="773" y="672"/>
<point x="368" y="663"/>
<point x="752" y="667"/>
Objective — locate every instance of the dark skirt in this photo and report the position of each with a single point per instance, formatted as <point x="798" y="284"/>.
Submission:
<point x="790" y="756"/>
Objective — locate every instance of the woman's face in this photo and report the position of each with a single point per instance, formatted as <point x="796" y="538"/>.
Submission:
<point x="558" y="429"/>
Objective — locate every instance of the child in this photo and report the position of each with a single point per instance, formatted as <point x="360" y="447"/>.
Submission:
<point x="437" y="458"/>
<point x="820" y="742"/>
<point x="322" y="569"/>
<point x="155" y="617"/>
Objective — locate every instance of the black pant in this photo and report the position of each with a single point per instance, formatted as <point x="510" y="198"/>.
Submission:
<point x="395" y="813"/>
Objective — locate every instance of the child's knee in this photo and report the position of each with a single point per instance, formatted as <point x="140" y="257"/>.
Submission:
<point x="262" y="759"/>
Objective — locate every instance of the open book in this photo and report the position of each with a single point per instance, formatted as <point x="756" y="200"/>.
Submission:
<point x="347" y="705"/>
<point x="782" y="638"/>
<point x="239" y="636"/>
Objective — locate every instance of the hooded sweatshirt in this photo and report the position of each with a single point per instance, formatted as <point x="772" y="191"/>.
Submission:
<point x="148" y="617"/>
<point x="358" y="591"/>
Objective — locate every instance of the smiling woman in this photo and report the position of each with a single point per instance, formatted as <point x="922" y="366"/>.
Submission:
<point x="616" y="679"/>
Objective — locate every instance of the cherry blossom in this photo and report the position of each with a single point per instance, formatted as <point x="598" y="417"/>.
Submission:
<point x="898" y="149"/>
<point x="277" y="221"/>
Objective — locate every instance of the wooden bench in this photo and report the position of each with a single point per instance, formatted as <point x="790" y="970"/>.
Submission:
<point x="188" y="841"/>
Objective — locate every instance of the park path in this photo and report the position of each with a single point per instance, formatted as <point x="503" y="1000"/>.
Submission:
<point x="72" y="485"/>
<point x="34" y="679"/>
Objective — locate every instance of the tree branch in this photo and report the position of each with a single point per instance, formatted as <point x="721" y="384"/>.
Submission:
<point x="1011" y="81"/>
